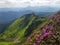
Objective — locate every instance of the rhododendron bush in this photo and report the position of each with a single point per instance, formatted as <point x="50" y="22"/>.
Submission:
<point x="50" y="33"/>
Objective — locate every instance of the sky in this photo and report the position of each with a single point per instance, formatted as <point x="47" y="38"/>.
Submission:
<point x="28" y="3"/>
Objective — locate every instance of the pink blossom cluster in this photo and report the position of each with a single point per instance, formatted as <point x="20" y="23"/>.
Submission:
<point x="47" y="30"/>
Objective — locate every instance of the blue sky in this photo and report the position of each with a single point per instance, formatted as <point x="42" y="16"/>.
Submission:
<point x="27" y="3"/>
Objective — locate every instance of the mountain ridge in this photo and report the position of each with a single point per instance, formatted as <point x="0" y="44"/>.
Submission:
<point x="26" y="28"/>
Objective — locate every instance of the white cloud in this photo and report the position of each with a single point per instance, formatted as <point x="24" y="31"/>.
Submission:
<point x="26" y="3"/>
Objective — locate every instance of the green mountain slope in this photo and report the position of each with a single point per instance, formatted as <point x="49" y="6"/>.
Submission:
<point x="21" y="28"/>
<point x="17" y="28"/>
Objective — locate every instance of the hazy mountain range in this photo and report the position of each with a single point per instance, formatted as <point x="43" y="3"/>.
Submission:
<point x="8" y="15"/>
<point x="19" y="30"/>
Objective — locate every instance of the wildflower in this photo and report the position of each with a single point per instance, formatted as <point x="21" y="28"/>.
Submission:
<point x="40" y="35"/>
<point x="34" y="44"/>
<point x="46" y="26"/>
<point x="44" y="35"/>
<point x="58" y="19"/>
<point x="23" y="44"/>
<point x="51" y="27"/>
<point x="44" y="30"/>
<point x="48" y="33"/>
<point x="29" y="40"/>
<point x="55" y="16"/>
<point x="31" y="35"/>
<point x="35" y="32"/>
<point x="37" y="38"/>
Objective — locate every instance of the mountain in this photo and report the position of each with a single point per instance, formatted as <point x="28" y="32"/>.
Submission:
<point x="34" y="9"/>
<point x="44" y="14"/>
<point x="7" y="17"/>
<point x="22" y="27"/>
<point x="32" y="29"/>
<point x="44" y="9"/>
<point x="19" y="25"/>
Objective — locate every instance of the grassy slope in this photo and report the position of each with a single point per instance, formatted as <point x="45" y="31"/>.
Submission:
<point x="44" y="21"/>
<point x="18" y="28"/>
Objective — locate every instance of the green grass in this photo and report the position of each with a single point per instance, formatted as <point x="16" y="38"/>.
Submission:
<point x="5" y="43"/>
<point x="20" y="25"/>
<point x="42" y="24"/>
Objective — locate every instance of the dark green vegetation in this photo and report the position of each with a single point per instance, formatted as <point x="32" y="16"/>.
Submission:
<point x="22" y="28"/>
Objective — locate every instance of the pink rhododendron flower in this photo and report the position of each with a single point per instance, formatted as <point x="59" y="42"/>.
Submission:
<point x="29" y="40"/>
<point x="55" y="16"/>
<point x="31" y="35"/>
<point x="35" y="32"/>
<point x="51" y="27"/>
<point x="46" y="26"/>
<point x="23" y="44"/>
<point x="44" y="30"/>
<point x="37" y="38"/>
<point x="34" y="44"/>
